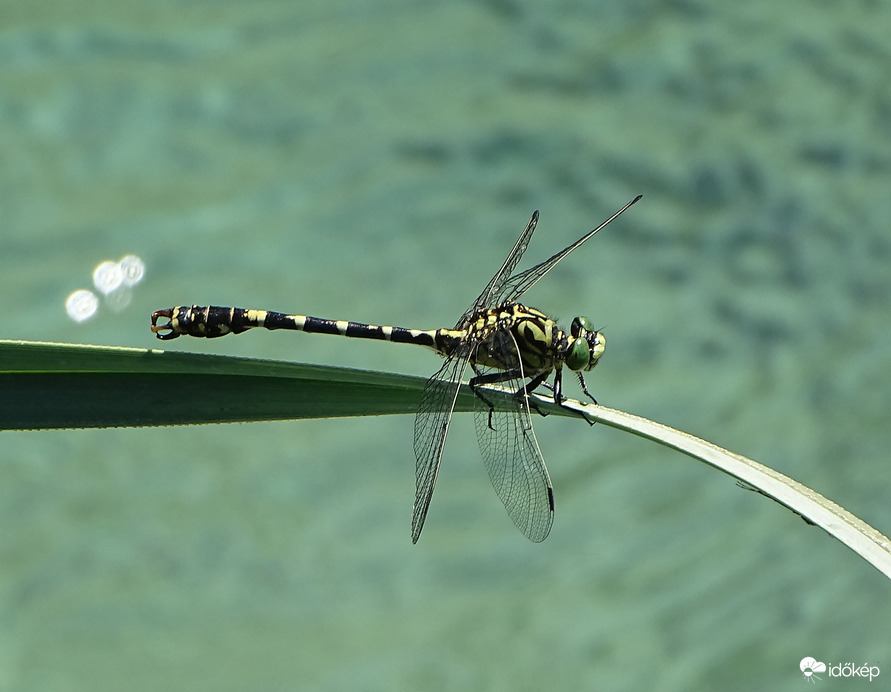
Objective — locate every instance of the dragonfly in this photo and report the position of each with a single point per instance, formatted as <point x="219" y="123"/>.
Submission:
<point x="505" y="344"/>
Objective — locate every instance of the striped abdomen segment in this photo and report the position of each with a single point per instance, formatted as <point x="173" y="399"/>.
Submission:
<point x="212" y="321"/>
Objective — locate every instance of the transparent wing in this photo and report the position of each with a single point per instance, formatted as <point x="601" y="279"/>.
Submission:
<point x="514" y="461"/>
<point x="509" y="289"/>
<point x="496" y="283"/>
<point x="431" y="426"/>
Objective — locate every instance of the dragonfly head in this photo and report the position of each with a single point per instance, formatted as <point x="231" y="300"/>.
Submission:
<point x="586" y="345"/>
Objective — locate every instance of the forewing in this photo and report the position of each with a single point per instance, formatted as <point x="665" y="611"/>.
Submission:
<point x="514" y="461"/>
<point x="431" y="427"/>
<point x="495" y="286"/>
<point x="509" y="289"/>
<point x="517" y="469"/>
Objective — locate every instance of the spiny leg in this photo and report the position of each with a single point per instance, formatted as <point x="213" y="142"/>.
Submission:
<point x="585" y="387"/>
<point x="530" y="387"/>
<point x="559" y="398"/>
<point x="481" y="378"/>
<point x="521" y="394"/>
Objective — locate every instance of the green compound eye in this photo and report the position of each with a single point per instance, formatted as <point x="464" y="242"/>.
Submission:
<point x="579" y="354"/>
<point x="579" y="324"/>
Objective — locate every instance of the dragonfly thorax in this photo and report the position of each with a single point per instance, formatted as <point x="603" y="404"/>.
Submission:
<point x="513" y="330"/>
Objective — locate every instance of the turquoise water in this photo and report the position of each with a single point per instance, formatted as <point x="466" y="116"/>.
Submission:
<point x="376" y="162"/>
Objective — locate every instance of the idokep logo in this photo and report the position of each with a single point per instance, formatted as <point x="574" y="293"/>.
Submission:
<point x="810" y="667"/>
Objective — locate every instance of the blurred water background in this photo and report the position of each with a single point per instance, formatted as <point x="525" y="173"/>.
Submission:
<point x="375" y="161"/>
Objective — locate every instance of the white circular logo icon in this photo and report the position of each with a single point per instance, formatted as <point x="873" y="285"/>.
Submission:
<point x="810" y="666"/>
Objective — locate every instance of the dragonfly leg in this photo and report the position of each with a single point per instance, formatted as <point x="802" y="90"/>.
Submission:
<point x="558" y="394"/>
<point x="488" y="378"/>
<point x="585" y="387"/>
<point x="521" y="394"/>
<point x="531" y="386"/>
